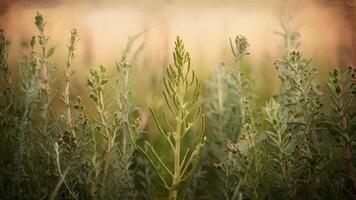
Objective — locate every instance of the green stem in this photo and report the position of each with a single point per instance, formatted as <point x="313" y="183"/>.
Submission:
<point x="348" y="156"/>
<point x="67" y="92"/>
<point x="238" y="76"/>
<point x="108" y="138"/>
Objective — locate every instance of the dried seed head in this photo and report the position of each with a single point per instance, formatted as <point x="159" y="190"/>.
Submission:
<point x="239" y="48"/>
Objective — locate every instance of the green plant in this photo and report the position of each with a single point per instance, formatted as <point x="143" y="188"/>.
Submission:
<point x="246" y="151"/>
<point x="31" y="138"/>
<point x="47" y="70"/>
<point x="71" y="143"/>
<point x="281" y="142"/>
<point x="181" y="94"/>
<point x="221" y="116"/>
<point x="8" y="122"/>
<point x="6" y="83"/>
<point x="300" y="144"/>
<point x="233" y="113"/>
<point x="68" y="76"/>
<point x="341" y="122"/>
<point x="29" y="87"/>
<point x="301" y="97"/>
<point x="113" y="147"/>
<point x="240" y="84"/>
<point x="96" y="82"/>
<point x="288" y="150"/>
<point x="7" y="105"/>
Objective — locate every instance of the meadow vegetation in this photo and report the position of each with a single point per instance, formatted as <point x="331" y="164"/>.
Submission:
<point x="299" y="144"/>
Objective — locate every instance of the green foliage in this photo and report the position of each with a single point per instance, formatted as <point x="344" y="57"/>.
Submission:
<point x="241" y="168"/>
<point x="289" y="154"/>
<point x="114" y="136"/>
<point x="282" y="144"/>
<point x="55" y="157"/>
<point x="293" y="147"/>
<point x="6" y="93"/>
<point x="181" y="94"/>
<point x="342" y="119"/>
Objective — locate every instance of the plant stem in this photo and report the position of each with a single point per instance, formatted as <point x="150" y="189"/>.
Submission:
<point x="67" y="94"/>
<point x="125" y="109"/>
<point x="239" y="85"/>
<point x="177" y="145"/>
<point x="108" y="138"/>
<point x="348" y="157"/>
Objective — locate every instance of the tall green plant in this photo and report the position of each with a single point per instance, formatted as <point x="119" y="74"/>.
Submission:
<point x="6" y="81"/>
<point x="239" y="83"/>
<point x="246" y="152"/>
<point x="181" y="92"/>
<point x="282" y="144"/>
<point x="242" y="168"/>
<point x="302" y="99"/>
<point x="341" y="121"/>
<point x="7" y="103"/>
<point x="72" y="46"/>
<point x="113" y="146"/>
<point x="97" y="81"/>
<point x="69" y="148"/>
<point x="47" y="69"/>
<point x="34" y="138"/>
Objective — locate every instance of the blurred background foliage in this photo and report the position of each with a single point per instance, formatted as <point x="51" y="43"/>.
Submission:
<point x="327" y="32"/>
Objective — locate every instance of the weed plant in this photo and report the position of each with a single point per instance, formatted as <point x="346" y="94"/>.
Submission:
<point x="299" y="144"/>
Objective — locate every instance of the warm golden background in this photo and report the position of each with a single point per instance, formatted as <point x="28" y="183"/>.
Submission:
<point x="327" y="28"/>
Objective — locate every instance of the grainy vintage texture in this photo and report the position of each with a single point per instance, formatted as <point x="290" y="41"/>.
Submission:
<point x="131" y="132"/>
